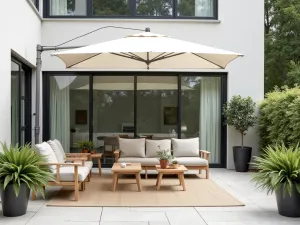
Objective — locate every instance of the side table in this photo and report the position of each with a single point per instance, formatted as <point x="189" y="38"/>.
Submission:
<point x="97" y="156"/>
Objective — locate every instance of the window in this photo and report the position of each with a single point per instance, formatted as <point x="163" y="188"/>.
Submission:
<point x="36" y="3"/>
<point x="168" y="9"/>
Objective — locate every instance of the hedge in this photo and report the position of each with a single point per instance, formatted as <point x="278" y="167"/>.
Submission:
<point x="279" y="117"/>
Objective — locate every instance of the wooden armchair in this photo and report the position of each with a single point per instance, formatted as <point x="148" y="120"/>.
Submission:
<point x="69" y="174"/>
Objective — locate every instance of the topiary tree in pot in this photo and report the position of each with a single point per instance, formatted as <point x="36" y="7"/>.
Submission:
<point x="239" y="113"/>
<point x="20" y="172"/>
<point x="279" y="171"/>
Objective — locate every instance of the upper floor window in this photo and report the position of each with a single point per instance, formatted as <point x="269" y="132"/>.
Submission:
<point x="36" y="3"/>
<point x="167" y="9"/>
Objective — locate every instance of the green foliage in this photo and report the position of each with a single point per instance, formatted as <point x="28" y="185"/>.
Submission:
<point x="279" y="119"/>
<point x="239" y="113"/>
<point x="164" y="154"/>
<point x="282" y="30"/>
<point x="86" y="145"/>
<point x="110" y="7"/>
<point x="279" y="165"/>
<point x="21" y="165"/>
<point x="154" y="7"/>
<point x="174" y="162"/>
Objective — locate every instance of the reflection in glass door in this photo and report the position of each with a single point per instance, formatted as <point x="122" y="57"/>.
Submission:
<point x="157" y="106"/>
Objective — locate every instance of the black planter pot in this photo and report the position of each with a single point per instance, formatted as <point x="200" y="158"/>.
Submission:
<point x="14" y="206"/>
<point x="241" y="157"/>
<point x="288" y="205"/>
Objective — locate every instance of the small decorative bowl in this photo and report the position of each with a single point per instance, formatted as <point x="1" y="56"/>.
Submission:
<point x="123" y="165"/>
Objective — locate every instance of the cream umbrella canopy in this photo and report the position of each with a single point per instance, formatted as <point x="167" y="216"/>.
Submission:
<point x="146" y="51"/>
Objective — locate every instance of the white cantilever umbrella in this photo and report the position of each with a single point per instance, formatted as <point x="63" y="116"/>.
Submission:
<point x="146" y="51"/>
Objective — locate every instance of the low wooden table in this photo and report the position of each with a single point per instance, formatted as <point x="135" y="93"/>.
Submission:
<point x="133" y="168"/>
<point x="179" y="171"/>
<point x="97" y="156"/>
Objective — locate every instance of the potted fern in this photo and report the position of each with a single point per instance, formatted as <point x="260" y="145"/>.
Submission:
<point x="19" y="173"/>
<point x="239" y="113"/>
<point x="279" y="171"/>
<point x="86" y="146"/>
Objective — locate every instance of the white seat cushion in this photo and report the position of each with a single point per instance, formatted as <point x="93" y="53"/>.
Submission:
<point x="192" y="161"/>
<point x="59" y="155"/>
<point x="132" y="147"/>
<point x="185" y="147"/>
<point x="143" y="161"/>
<point x="46" y="150"/>
<point x="57" y="142"/>
<point x="67" y="173"/>
<point x="153" y="146"/>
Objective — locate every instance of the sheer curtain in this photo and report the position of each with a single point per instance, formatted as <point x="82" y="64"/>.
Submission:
<point x="59" y="7"/>
<point x="204" y="8"/>
<point x="60" y="113"/>
<point x="210" y="116"/>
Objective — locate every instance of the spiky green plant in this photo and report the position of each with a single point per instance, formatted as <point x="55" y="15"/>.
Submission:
<point x="279" y="165"/>
<point x="21" y="165"/>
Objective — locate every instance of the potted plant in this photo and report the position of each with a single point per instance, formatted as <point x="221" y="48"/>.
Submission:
<point x="175" y="164"/>
<point x="19" y="173"/>
<point x="91" y="147"/>
<point x="239" y="113"/>
<point x="279" y="171"/>
<point x="86" y="146"/>
<point x="164" y="156"/>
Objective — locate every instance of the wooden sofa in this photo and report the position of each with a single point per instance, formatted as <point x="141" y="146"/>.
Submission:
<point x="198" y="161"/>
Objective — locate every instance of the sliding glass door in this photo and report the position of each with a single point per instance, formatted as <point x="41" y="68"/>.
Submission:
<point x="102" y="106"/>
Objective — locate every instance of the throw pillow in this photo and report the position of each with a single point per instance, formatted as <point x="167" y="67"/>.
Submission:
<point x="60" y="147"/>
<point x="46" y="150"/>
<point x="132" y="147"/>
<point x="59" y="155"/>
<point x="153" y="146"/>
<point x="185" y="147"/>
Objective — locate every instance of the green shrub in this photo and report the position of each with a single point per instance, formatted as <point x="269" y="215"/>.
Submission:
<point x="278" y="165"/>
<point x="239" y="113"/>
<point x="279" y="117"/>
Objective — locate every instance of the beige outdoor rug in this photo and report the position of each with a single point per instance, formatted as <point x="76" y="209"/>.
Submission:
<point x="200" y="192"/>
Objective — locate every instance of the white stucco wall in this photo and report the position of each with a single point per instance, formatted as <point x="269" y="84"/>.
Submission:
<point x="20" y="33"/>
<point x="240" y="29"/>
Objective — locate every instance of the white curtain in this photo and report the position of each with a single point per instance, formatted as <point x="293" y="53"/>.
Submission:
<point x="60" y="114"/>
<point x="204" y="8"/>
<point x="59" y="7"/>
<point x="210" y="116"/>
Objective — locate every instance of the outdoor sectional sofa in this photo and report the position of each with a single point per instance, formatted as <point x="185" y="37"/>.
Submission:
<point x="144" y="151"/>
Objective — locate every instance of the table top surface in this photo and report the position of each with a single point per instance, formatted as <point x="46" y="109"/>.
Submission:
<point x="130" y="167"/>
<point x="96" y="155"/>
<point x="180" y="169"/>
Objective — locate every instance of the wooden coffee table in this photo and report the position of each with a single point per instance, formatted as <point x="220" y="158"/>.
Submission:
<point x="132" y="168"/>
<point x="179" y="171"/>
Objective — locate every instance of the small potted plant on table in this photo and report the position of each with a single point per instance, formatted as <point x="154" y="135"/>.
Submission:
<point x="86" y="146"/>
<point x="279" y="171"/>
<point x="239" y="113"/>
<point x="164" y="156"/>
<point x="175" y="164"/>
<point x="19" y="173"/>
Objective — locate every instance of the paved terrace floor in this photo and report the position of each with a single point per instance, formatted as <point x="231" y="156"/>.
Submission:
<point x="260" y="209"/>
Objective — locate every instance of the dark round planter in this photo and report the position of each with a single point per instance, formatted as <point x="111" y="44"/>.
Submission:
<point x="288" y="205"/>
<point x="241" y="157"/>
<point x="14" y="206"/>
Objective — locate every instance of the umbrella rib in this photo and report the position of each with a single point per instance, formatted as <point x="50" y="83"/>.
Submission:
<point x="129" y="57"/>
<point x="208" y="60"/>
<point x="134" y="55"/>
<point x="84" y="60"/>
<point x="169" y="55"/>
<point x="158" y="56"/>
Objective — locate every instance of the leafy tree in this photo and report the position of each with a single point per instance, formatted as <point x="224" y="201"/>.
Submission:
<point x="154" y="7"/>
<point x="282" y="30"/>
<point x="110" y="7"/>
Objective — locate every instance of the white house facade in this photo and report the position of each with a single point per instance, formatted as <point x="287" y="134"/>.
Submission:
<point x="84" y="104"/>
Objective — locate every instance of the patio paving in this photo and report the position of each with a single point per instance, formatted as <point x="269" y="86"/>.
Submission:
<point x="260" y="209"/>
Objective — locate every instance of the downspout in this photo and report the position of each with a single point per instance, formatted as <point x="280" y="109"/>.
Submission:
<point x="39" y="50"/>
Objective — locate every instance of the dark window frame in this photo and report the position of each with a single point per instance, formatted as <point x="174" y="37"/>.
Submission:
<point x="222" y="75"/>
<point x="36" y="3"/>
<point x="132" y="9"/>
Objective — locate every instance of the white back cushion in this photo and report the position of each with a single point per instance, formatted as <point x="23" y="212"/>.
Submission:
<point x="132" y="147"/>
<point x="46" y="150"/>
<point x="153" y="146"/>
<point x="57" y="142"/>
<point x="59" y="155"/>
<point x="185" y="147"/>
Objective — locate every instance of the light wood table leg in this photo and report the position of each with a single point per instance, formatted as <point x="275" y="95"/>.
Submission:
<point x="159" y="178"/>
<point x="115" y="180"/>
<point x="99" y="166"/>
<point x="138" y="181"/>
<point x="179" y="179"/>
<point x="182" y="181"/>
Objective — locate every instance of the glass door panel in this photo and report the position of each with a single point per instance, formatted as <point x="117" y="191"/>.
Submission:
<point x="15" y="73"/>
<point x="157" y="106"/>
<point x="201" y="113"/>
<point x="113" y="112"/>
